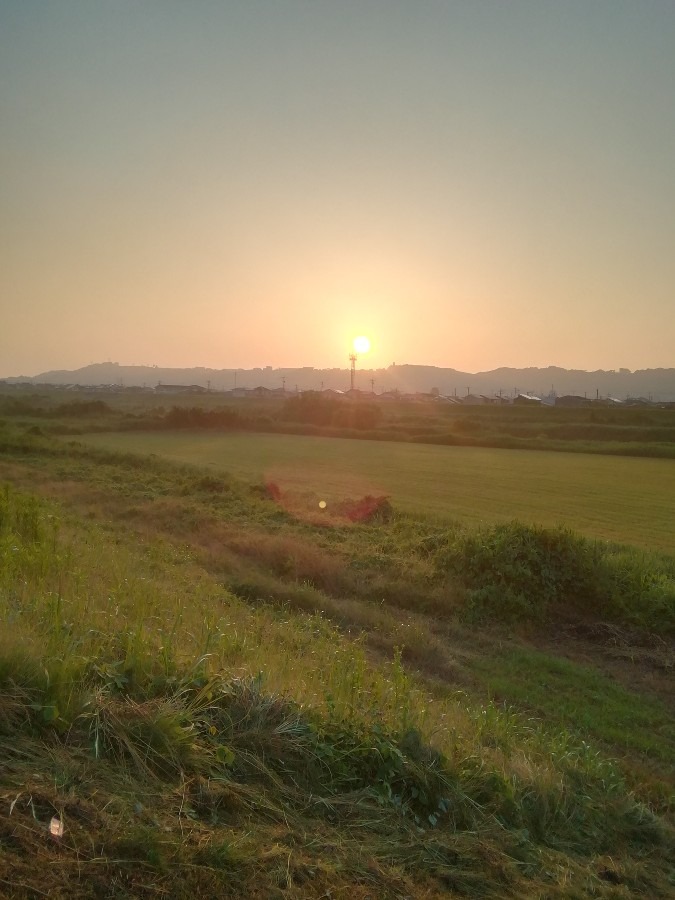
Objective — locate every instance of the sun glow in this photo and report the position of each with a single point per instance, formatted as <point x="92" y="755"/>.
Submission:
<point x="361" y="344"/>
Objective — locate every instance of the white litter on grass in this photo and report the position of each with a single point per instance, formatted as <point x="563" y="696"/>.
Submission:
<point x="56" y="827"/>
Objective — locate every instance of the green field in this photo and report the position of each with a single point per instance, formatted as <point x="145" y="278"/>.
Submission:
<point x="216" y="694"/>
<point x="624" y="499"/>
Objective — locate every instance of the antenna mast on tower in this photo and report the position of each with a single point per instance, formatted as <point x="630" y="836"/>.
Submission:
<point x="352" y="373"/>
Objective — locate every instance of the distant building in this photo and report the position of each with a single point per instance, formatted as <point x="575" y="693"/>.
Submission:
<point x="641" y="402"/>
<point x="527" y="400"/>
<point x="180" y="389"/>
<point x="265" y="392"/>
<point x="572" y="400"/>
<point x="356" y="394"/>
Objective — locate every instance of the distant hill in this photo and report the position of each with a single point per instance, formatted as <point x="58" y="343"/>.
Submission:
<point x="659" y="384"/>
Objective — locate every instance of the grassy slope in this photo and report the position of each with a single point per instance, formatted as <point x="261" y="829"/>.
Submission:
<point x="168" y="539"/>
<point x="614" y="498"/>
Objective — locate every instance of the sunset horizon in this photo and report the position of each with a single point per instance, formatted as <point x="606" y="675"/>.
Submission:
<point x="468" y="184"/>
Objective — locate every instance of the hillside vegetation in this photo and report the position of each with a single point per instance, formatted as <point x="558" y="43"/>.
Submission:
<point x="622" y="431"/>
<point x="218" y="689"/>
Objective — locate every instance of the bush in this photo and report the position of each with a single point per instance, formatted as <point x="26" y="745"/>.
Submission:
<point x="310" y="407"/>
<point x="195" y="417"/>
<point x="517" y="571"/>
<point x="83" y="408"/>
<point x="313" y="409"/>
<point x="520" y="569"/>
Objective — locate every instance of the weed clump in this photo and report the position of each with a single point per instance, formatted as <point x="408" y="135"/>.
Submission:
<point x="366" y="510"/>
<point x="518" y="571"/>
<point x="515" y="571"/>
<point x="272" y="490"/>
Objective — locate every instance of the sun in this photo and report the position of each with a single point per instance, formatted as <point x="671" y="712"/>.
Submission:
<point x="361" y="344"/>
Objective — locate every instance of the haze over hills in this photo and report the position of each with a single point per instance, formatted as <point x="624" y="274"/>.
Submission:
<point x="659" y="384"/>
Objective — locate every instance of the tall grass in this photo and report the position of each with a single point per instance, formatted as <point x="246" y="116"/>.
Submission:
<point x="129" y="651"/>
<point x="140" y="627"/>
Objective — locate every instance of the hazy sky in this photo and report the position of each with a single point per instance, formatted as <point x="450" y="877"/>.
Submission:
<point x="470" y="184"/>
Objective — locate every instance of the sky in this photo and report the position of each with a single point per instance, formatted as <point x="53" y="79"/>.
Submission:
<point x="236" y="184"/>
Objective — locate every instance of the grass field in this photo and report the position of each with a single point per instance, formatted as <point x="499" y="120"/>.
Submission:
<point x="622" y="499"/>
<point x="216" y="697"/>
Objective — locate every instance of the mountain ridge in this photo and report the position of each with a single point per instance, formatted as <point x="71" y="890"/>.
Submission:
<point x="658" y="383"/>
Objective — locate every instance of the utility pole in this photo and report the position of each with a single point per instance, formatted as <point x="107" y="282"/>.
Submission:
<point x="372" y="385"/>
<point x="352" y="371"/>
<point x="283" y="383"/>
